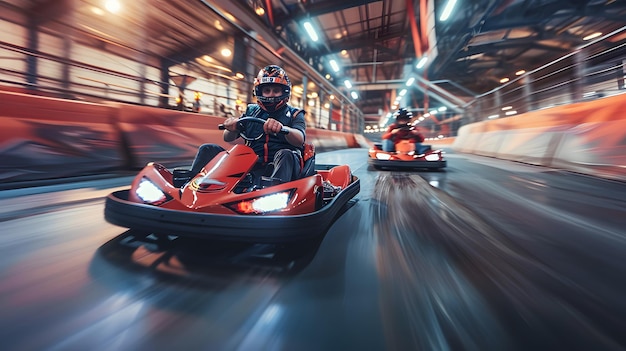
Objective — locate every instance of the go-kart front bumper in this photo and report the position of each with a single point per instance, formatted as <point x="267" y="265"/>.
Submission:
<point x="252" y="228"/>
<point x="407" y="163"/>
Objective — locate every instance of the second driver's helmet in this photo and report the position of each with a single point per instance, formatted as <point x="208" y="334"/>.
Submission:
<point x="272" y="74"/>
<point x="403" y="116"/>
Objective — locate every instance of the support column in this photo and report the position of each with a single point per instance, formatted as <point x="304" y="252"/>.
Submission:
<point x="31" y="59"/>
<point x="528" y="93"/>
<point x="579" y="75"/>
<point x="342" y="111"/>
<point x="497" y="104"/>
<point x="164" y="83"/>
<point x="621" y="76"/>
<point x="305" y="82"/>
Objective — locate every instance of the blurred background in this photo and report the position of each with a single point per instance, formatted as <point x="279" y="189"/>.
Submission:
<point x="352" y="63"/>
<point x="518" y="244"/>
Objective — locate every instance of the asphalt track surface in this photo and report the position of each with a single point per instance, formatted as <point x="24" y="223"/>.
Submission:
<point x="486" y="255"/>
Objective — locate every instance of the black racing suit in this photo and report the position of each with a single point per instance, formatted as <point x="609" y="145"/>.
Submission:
<point x="286" y="158"/>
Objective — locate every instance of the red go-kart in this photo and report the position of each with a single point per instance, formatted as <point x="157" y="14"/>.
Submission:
<point x="406" y="156"/>
<point x="229" y="200"/>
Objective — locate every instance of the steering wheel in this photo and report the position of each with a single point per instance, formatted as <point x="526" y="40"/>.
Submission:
<point x="242" y="128"/>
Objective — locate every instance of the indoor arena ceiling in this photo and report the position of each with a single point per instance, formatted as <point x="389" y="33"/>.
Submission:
<point x="480" y="43"/>
<point x="376" y="44"/>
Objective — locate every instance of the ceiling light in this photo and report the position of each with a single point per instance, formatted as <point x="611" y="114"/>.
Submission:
<point x="520" y="72"/>
<point x="447" y="10"/>
<point x="354" y="95"/>
<point x="311" y="31"/>
<point x="347" y="84"/>
<point x="113" y="6"/>
<point x="410" y="81"/>
<point x="504" y="80"/>
<point x="334" y="65"/>
<point x="207" y="62"/>
<point x="592" y="36"/>
<point x="98" y="11"/>
<point x="421" y="62"/>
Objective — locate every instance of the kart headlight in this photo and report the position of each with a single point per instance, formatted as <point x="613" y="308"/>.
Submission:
<point x="150" y="193"/>
<point x="383" y="156"/>
<point x="432" y="157"/>
<point x="264" y="204"/>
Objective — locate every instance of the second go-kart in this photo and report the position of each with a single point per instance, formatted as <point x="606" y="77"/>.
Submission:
<point x="228" y="200"/>
<point x="406" y="156"/>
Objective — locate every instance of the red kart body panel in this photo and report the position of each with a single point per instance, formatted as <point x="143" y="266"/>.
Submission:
<point x="218" y="201"/>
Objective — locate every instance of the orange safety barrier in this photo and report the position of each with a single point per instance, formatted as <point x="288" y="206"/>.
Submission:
<point x="587" y="137"/>
<point x="51" y="138"/>
<point x="165" y="136"/>
<point x="47" y="138"/>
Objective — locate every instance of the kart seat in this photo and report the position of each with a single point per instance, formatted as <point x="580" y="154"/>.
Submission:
<point x="308" y="159"/>
<point x="404" y="147"/>
<point x="180" y="176"/>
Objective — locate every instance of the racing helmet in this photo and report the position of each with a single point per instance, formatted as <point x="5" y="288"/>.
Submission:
<point x="403" y="115"/>
<point x="272" y="74"/>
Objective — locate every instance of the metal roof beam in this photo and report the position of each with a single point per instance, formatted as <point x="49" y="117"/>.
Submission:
<point x="42" y="12"/>
<point x="273" y="44"/>
<point x="381" y="85"/>
<point x="315" y="9"/>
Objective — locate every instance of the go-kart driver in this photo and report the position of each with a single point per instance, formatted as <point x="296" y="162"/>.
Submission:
<point x="401" y="130"/>
<point x="272" y="88"/>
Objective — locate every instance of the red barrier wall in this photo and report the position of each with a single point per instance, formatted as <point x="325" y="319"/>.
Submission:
<point x="44" y="138"/>
<point x="165" y="136"/>
<point x="48" y="138"/>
